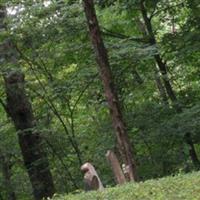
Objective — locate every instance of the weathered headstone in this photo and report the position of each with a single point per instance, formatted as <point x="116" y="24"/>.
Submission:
<point x="116" y="168"/>
<point x="91" y="178"/>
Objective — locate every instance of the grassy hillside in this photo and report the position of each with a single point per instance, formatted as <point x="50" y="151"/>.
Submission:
<point x="181" y="187"/>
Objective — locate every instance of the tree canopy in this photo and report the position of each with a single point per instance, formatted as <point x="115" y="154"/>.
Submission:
<point x="153" y="49"/>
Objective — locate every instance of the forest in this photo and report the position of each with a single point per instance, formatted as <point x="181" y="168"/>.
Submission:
<point x="81" y="78"/>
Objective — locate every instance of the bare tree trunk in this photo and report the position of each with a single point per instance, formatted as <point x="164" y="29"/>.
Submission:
<point x="192" y="151"/>
<point x="6" y="171"/>
<point x="110" y="92"/>
<point x="19" y="109"/>
<point x="1" y="197"/>
<point x="158" y="80"/>
<point x="35" y="158"/>
<point x="161" y="88"/>
<point x="161" y="64"/>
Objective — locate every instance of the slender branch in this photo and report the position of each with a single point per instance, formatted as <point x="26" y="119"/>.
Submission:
<point x="52" y="106"/>
<point x="56" y="113"/>
<point x="83" y="91"/>
<point x="62" y="162"/>
<point x="165" y="9"/>
<point x="110" y="33"/>
<point x="153" y="12"/>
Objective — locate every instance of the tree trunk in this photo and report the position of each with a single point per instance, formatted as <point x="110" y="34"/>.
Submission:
<point x="6" y="171"/>
<point x="161" y="88"/>
<point x="19" y="109"/>
<point x="192" y="151"/>
<point x="159" y="83"/>
<point x="110" y="92"/>
<point x="163" y="70"/>
<point x="35" y="158"/>
<point x="161" y="64"/>
<point x="137" y="77"/>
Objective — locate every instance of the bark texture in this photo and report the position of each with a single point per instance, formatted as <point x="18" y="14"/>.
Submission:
<point x="192" y="151"/>
<point x="110" y="92"/>
<point x="19" y="109"/>
<point x="35" y="158"/>
<point x="7" y="174"/>
<point x="161" y="88"/>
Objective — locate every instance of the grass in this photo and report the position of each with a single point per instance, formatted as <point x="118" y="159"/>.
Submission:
<point x="180" y="187"/>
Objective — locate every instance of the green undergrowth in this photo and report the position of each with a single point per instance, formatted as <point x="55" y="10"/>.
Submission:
<point x="180" y="187"/>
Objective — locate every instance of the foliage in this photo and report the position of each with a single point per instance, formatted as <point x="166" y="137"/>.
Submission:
<point x="54" y="51"/>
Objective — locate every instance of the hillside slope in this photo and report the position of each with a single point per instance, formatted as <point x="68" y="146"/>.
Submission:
<point x="181" y="187"/>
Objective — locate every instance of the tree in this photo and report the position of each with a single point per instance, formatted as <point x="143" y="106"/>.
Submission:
<point x="109" y="88"/>
<point x="163" y="70"/>
<point x="35" y="159"/>
<point x="20" y="111"/>
<point x="7" y="173"/>
<point x="48" y="41"/>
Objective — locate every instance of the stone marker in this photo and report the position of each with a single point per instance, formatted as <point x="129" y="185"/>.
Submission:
<point x="116" y="168"/>
<point x="91" y="178"/>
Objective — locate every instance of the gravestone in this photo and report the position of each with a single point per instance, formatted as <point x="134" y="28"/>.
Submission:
<point x="91" y="178"/>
